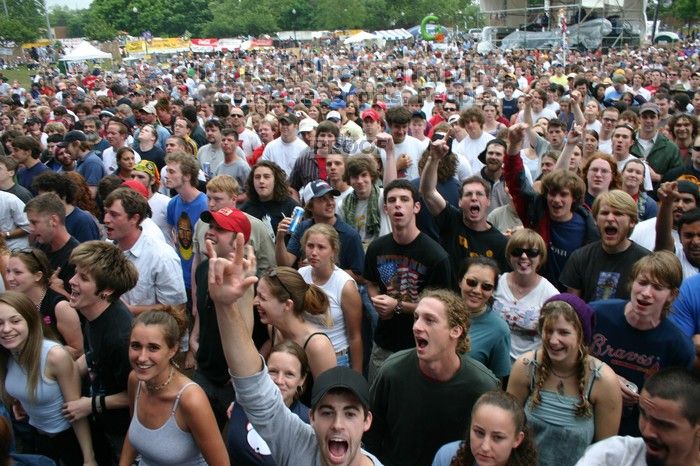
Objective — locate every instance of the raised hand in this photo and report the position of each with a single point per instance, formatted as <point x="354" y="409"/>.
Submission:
<point x="229" y="278"/>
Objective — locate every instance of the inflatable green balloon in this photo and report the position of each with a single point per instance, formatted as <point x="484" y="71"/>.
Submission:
<point x="430" y="19"/>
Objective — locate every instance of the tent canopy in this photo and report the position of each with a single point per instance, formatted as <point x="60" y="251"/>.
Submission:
<point x="86" y="51"/>
<point x="360" y="37"/>
<point x="394" y="34"/>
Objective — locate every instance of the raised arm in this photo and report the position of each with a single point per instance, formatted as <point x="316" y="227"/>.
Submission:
<point x="282" y="255"/>
<point x="390" y="169"/>
<point x="572" y="140"/>
<point x="229" y="280"/>
<point x="576" y="99"/>
<point x="428" y="180"/>
<point x="664" y="219"/>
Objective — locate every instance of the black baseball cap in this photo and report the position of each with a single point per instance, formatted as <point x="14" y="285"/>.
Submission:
<point x="340" y="377"/>
<point x="72" y="136"/>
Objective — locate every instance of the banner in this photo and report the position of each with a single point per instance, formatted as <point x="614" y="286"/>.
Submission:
<point x="158" y="45"/>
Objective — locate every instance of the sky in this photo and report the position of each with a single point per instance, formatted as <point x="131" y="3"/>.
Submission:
<point x="74" y="4"/>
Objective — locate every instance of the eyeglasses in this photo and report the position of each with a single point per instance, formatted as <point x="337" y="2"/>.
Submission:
<point x="529" y="252"/>
<point x="273" y="274"/>
<point x="696" y="148"/>
<point x="450" y="109"/>
<point x="472" y="283"/>
<point x="237" y="115"/>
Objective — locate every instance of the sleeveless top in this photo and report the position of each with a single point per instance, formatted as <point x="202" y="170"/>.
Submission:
<point x="560" y="435"/>
<point x="334" y="290"/>
<point x="166" y="445"/>
<point x="45" y="412"/>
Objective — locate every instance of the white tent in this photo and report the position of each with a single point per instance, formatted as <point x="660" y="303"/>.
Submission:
<point x="394" y="34"/>
<point x="86" y="51"/>
<point x="360" y="37"/>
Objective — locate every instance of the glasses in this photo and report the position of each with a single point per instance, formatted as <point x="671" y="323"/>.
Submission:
<point x="273" y="274"/>
<point x="450" y="109"/>
<point x="696" y="148"/>
<point x="529" y="252"/>
<point x="472" y="283"/>
<point x="237" y="115"/>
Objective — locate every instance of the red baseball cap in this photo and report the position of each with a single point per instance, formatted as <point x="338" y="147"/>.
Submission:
<point x="380" y="104"/>
<point x="229" y="219"/>
<point x="136" y="186"/>
<point x="371" y="114"/>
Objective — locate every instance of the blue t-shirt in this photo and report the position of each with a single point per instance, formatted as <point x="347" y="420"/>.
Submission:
<point x="183" y="216"/>
<point x="91" y="169"/>
<point x="82" y="226"/>
<point x="446" y="453"/>
<point x="685" y="313"/>
<point x="489" y="337"/>
<point x="352" y="255"/>
<point x="565" y="238"/>
<point x="25" y="176"/>
<point x="636" y="354"/>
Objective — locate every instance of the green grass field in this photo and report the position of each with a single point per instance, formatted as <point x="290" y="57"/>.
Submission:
<point x="20" y="73"/>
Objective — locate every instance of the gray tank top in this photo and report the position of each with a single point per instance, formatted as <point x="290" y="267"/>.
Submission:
<point x="168" y="444"/>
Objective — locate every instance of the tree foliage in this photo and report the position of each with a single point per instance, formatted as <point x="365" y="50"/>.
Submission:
<point x="24" y="21"/>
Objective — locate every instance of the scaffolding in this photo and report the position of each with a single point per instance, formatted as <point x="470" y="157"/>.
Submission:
<point x="627" y="17"/>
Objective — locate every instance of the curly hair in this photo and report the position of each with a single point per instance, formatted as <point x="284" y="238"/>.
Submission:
<point x="83" y="198"/>
<point x="615" y="182"/>
<point x="279" y="192"/>
<point x="524" y="454"/>
<point x="549" y="313"/>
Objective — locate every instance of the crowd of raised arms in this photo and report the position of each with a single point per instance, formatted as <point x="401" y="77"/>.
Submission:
<point x="353" y="256"/>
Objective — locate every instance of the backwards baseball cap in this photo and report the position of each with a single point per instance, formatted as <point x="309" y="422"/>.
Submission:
<point x="72" y="136"/>
<point x="149" y="167"/>
<point x="500" y="142"/>
<point x="453" y="119"/>
<point x="380" y="104"/>
<point x="136" y="186"/>
<point x="317" y="188"/>
<point x="333" y="116"/>
<point x="650" y="107"/>
<point x="371" y="114"/>
<point x="338" y="104"/>
<point x="150" y="107"/>
<point x="585" y="313"/>
<point x="307" y="124"/>
<point x="229" y="219"/>
<point x="340" y="377"/>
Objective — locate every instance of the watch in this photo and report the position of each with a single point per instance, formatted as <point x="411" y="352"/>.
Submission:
<point x="7" y="234"/>
<point x="398" y="310"/>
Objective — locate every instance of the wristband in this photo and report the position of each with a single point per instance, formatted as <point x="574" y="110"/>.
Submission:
<point x="103" y="405"/>
<point x="94" y="405"/>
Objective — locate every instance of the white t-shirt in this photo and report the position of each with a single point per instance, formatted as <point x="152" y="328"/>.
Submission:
<point x="616" y="451"/>
<point x="414" y="149"/>
<point x="249" y="141"/>
<point x="648" y="186"/>
<point x="522" y="314"/>
<point x="159" y="214"/>
<point x="469" y="149"/>
<point x="284" y="154"/>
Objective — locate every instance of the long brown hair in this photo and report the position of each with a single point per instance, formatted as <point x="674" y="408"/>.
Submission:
<point x="29" y="359"/>
<point x="524" y="454"/>
<point x="549" y="313"/>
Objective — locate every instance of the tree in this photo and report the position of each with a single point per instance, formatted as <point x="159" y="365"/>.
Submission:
<point x="231" y="18"/>
<point x="14" y="30"/>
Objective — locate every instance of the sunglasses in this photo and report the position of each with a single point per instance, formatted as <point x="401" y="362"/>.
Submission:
<point x="472" y="283"/>
<point x="237" y="115"/>
<point x="273" y="274"/>
<point x="529" y="252"/>
<point x="696" y="148"/>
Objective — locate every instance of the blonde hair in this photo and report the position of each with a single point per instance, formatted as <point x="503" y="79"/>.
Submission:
<point x="457" y="314"/>
<point x="326" y="231"/>
<point x="527" y="238"/>
<point x="618" y="200"/>
<point x="662" y="267"/>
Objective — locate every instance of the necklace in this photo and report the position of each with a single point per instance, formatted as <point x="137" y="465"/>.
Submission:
<point x="160" y="387"/>
<point x="560" y="385"/>
<point x="43" y="295"/>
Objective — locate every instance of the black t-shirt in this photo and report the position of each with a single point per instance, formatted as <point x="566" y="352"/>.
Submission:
<point x="60" y="259"/>
<point x="270" y="212"/>
<point x="47" y="309"/>
<point x="600" y="275"/>
<point x="403" y="272"/>
<point x="510" y="107"/>
<point x="211" y="361"/>
<point x="155" y="155"/>
<point x="462" y="242"/>
<point x="107" y="357"/>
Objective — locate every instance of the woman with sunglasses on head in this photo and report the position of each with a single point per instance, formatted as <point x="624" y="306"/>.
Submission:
<point x="288" y="368"/>
<point x="522" y="292"/>
<point x="498" y="435"/>
<point x="38" y="376"/>
<point x="488" y="333"/>
<point x="29" y="272"/>
<point x="571" y="399"/>
<point x="282" y="299"/>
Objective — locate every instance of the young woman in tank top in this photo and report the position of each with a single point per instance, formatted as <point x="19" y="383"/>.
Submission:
<point x="38" y="377"/>
<point x="571" y="399"/>
<point x="321" y="247"/>
<point x="172" y="421"/>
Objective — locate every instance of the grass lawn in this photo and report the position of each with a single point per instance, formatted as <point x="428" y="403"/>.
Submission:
<point x="21" y="73"/>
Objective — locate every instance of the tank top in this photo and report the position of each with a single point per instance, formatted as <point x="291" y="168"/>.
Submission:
<point x="166" y="445"/>
<point x="45" y="412"/>
<point x="560" y="435"/>
<point x="334" y="290"/>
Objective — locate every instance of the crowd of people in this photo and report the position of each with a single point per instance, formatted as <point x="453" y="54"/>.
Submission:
<point x="399" y="256"/>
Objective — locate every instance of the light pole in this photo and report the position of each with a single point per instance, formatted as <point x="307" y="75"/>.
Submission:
<point x="294" y="26"/>
<point x="48" y="24"/>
